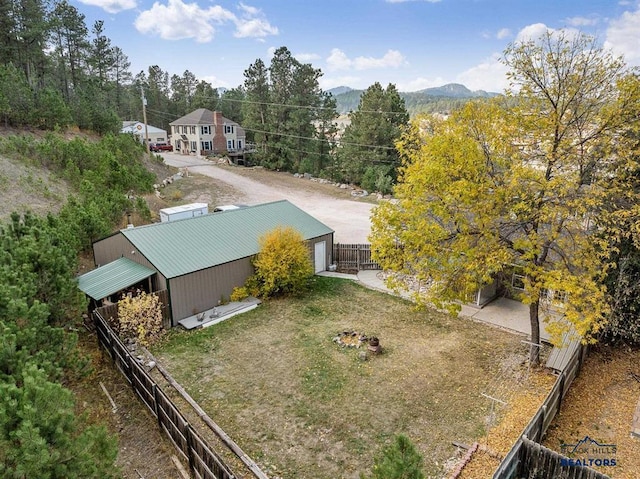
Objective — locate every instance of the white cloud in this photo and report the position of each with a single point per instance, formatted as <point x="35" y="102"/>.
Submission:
<point x="253" y="24"/>
<point x="306" y="57"/>
<point x="503" y="33"/>
<point x="178" y="20"/>
<point x="536" y="31"/>
<point x="391" y="59"/>
<point x="582" y="21"/>
<point x="532" y="32"/>
<point x="622" y="36"/>
<point x="490" y="75"/>
<point x="338" y="60"/>
<point x="327" y="83"/>
<point x="252" y="11"/>
<point x="111" y="6"/>
<point x="215" y="81"/>
<point x="254" y="28"/>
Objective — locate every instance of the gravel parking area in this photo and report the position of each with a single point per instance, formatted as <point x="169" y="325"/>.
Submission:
<point x="349" y="218"/>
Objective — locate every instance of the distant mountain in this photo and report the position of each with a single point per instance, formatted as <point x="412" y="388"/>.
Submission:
<point x="430" y="100"/>
<point x="455" y="90"/>
<point x="339" y="90"/>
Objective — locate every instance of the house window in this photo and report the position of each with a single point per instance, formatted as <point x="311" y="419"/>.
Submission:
<point x="205" y="130"/>
<point x="230" y="145"/>
<point x="193" y="130"/>
<point x="553" y="297"/>
<point x="194" y="146"/>
<point x="205" y="145"/>
<point x="517" y="280"/>
<point x="239" y="144"/>
<point x="228" y="128"/>
<point x="184" y="130"/>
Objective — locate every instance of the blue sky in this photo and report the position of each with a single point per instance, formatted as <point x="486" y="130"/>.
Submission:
<point x="414" y="44"/>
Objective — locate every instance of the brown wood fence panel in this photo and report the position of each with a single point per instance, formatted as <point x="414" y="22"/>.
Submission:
<point x="539" y="461"/>
<point x="517" y="458"/>
<point x="351" y="258"/>
<point x="143" y="385"/>
<point x="110" y="311"/>
<point x="203" y="460"/>
<point x="172" y="422"/>
<point x="121" y="356"/>
<point x="163" y="295"/>
<point x="509" y="465"/>
<point x="206" y="463"/>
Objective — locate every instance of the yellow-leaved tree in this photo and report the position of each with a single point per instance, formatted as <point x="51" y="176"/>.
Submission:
<point x="140" y="318"/>
<point x="283" y="265"/>
<point x="514" y="184"/>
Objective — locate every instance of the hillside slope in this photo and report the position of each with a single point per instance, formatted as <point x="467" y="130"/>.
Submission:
<point x="24" y="187"/>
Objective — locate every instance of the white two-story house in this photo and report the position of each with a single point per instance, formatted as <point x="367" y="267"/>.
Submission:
<point x="206" y="132"/>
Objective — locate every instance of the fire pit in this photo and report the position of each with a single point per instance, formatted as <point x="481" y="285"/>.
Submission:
<point x="355" y="339"/>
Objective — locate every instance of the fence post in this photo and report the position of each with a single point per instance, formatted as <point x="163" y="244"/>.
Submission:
<point x="581" y="357"/>
<point x="561" y="391"/>
<point x="156" y="406"/>
<point x="189" y="451"/>
<point x="543" y="415"/>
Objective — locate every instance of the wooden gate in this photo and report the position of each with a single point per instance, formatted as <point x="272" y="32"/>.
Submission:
<point x="351" y="258"/>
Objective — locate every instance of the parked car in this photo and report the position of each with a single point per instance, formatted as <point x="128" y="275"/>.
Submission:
<point x="161" y="147"/>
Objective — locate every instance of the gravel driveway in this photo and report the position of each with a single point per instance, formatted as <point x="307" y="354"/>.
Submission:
<point x="349" y="219"/>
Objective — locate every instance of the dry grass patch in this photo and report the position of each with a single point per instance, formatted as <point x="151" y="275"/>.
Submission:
<point x="192" y="189"/>
<point x="144" y="451"/>
<point x="286" y="182"/>
<point x="304" y="407"/>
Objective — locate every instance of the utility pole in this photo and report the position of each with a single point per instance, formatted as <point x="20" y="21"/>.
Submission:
<point x="144" y="116"/>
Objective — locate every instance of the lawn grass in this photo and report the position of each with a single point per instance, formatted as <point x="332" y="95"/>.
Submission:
<point x="303" y="407"/>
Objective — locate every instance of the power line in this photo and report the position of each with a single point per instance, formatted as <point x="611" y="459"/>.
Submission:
<point x="342" y="143"/>
<point x="309" y="107"/>
<point x="320" y="139"/>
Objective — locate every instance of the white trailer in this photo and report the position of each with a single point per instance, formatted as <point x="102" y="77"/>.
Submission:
<point x="183" y="211"/>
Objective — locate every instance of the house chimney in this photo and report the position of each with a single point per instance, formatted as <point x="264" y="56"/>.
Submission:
<point x="217" y="118"/>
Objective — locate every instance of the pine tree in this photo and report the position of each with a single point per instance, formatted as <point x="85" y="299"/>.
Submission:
<point x="400" y="460"/>
<point x="368" y="144"/>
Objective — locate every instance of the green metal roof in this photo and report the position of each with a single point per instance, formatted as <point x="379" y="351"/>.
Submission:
<point x="112" y="277"/>
<point x="179" y="247"/>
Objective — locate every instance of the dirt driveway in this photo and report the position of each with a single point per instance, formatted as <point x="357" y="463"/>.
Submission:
<point x="348" y="218"/>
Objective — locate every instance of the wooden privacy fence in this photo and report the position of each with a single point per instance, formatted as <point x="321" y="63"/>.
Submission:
<point x="351" y="258"/>
<point x="529" y="459"/>
<point x="543" y="462"/>
<point x="203" y="461"/>
<point x="111" y="311"/>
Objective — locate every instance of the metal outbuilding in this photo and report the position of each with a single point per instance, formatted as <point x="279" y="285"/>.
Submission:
<point x="200" y="260"/>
